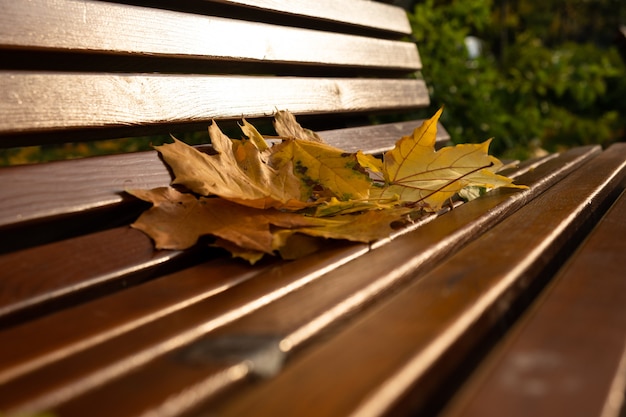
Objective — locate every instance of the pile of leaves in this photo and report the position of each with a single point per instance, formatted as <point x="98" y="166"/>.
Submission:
<point x="255" y="199"/>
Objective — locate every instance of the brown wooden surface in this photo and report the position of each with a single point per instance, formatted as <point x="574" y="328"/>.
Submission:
<point x="367" y="14"/>
<point x="101" y="27"/>
<point x="109" y="338"/>
<point x="298" y="313"/>
<point x="438" y="318"/>
<point x="105" y="261"/>
<point x="567" y="356"/>
<point x="376" y="139"/>
<point x="37" y="102"/>
<point x="53" y="189"/>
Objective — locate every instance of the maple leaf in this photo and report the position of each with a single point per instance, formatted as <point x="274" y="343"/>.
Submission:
<point x="177" y="220"/>
<point x="366" y="226"/>
<point x="321" y="165"/>
<point x="237" y="173"/>
<point x="414" y="172"/>
<point x="255" y="137"/>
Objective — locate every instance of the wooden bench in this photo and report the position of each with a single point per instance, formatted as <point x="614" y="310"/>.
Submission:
<point x="511" y="304"/>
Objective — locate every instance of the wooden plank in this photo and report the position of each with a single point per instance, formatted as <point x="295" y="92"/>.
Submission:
<point x="567" y="356"/>
<point x="55" y="189"/>
<point x="34" y="193"/>
<point x="366" y="14"/>
<point x="100" y="27"/>
<point x="345" y="288"/>
<point x="180" y="308"/>
<point x="105" y="262"/>
<point x="37" y="102"/>
<point x="395" y="357"/>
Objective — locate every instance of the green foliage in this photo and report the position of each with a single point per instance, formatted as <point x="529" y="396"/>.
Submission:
<point x="525" y="94"/>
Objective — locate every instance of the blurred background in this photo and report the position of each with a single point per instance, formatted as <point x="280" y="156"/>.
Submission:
<point x="536" y="75"/>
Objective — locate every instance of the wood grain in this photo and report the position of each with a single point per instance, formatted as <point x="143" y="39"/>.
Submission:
<point x="104" y="262"/>
<point x="567" y="355"/>
<point x="128" y="340"/>
<point x="108" y="28"/>
<point x="404" y="349"/>
<point x="367" y="14"/>
<point x="58" y="188"/>
<point x="376" y="139"/>
<point x="345" y="290"/>
<point x="38" y="102"/>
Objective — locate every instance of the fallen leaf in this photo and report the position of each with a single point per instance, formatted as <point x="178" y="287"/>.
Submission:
<point x="365" y="227"/>
<point x="415" y="172"/>
<point x="177" y="220"/>
<point x="334" y="207"/>
<point x="252" y="256"/>
<point x="255" y="137"/>
<point x="236" y="173"/>
<point x="370" y="162"/>
<point x="292" y="245"/>
<point x="320" y="165"/>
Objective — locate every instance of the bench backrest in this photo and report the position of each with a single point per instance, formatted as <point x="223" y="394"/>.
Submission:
<point x="77" y="70"/>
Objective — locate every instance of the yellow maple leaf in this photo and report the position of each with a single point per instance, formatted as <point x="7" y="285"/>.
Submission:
<point x="320" y="165"/>
<point x="415" y="172"/>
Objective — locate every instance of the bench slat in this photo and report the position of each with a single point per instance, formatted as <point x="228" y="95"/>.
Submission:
<point x="34" y="288"/>
<point x="108" y="28"/>
<point x="57" y="101"/>
<point x="363" y="277"/>
<point x="366" y="14"/>
<point x="569" y="348"/>
<point x="428" y="328"/>
<point x="95" y="321"/>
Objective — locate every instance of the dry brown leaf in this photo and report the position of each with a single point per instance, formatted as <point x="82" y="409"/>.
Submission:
<point x="237" y="173"/>
<point x="177" y="220"/>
